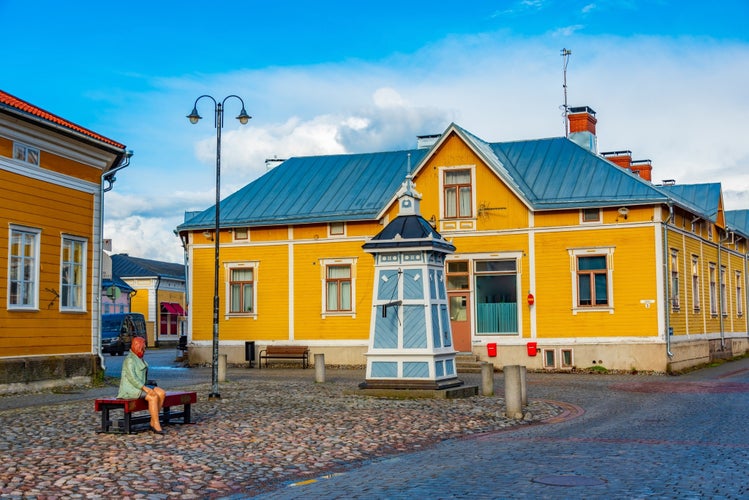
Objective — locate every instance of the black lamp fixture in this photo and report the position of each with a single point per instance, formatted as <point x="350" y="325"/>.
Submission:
<point x="243" y="118"/>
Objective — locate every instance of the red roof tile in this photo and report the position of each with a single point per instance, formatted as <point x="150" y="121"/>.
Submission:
<point x="24" y="106"/>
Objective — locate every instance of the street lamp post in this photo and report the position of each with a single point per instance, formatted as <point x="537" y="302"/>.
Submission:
<point x="218" y="123"/>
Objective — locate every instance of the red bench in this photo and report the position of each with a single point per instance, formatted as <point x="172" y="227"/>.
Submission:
<point x="132" y="406"/>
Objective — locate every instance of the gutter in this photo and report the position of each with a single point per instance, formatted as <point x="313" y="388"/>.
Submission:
<point x="124" y="161"/>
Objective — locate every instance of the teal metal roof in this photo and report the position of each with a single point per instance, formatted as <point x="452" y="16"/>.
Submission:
<point x="547" y="174"/>
<point x="124" y="266"/>
<point x="311" y="189"/>
<point x="701" y="199"/>
<point x="557" y="173"/>
<point x="738" y="221"/>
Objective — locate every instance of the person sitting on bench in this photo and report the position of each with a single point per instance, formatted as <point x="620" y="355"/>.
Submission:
<point x="133" y="383"/>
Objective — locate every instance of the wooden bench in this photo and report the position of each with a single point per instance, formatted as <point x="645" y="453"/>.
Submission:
<point x="132" y="406"/>
<point x="299" y="352"/>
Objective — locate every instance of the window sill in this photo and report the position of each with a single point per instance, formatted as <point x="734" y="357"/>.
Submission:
<point x="592" y="309"/>
<point x="344" y="314"/>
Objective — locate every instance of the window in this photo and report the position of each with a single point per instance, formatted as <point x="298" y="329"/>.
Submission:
<point x="457" y="275"/>
<point x="457" y="193"/>
<point x="592" y="281"/>
<point x="675" y="280"/>
<point x="25" y="153"/>
<point x="336" y="229"/>
<point x="73" y="274"/>
<point x="591" y="215"/>
<point x="723" y="303"/>
<point x="709" y="231"/>
<point x="241" y="233"/>
<point x="23" y="272"/>
<point x="496" y="296"/>
<point x="242" y="290"/>
<point x="739" y="295"/>
<point x="549" y="361"/>
<point x="338" y="288"/>
<point x="713" y="291"/>
<point x="566" y="360"/>
<point x="695" y="283"/>
<point x="338" y="296"/>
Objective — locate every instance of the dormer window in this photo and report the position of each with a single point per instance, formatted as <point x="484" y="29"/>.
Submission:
<point x="25" y="153"/>
<point x="457" y="192"/>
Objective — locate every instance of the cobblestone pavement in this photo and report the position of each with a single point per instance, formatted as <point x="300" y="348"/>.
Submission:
<point x="269" y="428"/>
<point x="636" y="437"/>
<point x="277" y="434"/>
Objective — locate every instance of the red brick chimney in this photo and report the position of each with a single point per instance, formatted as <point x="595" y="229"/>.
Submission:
<point x="582" y="119"/>
<point x="642" y="168"/>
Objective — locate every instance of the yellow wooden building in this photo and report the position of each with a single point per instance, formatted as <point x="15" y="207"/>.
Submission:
<point x="565" y="257"/>
<point x="52" y="177"/>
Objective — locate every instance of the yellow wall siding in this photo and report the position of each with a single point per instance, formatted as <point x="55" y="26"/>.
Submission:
<point x="633" y="276"/>
<point x="275" y="233"/>
<point x="69" y="167"/>
<point x="55" y="210"/>
<point x="271" y="282"/>
<point x="308" y="296"/>
<point x="139" y="303"/>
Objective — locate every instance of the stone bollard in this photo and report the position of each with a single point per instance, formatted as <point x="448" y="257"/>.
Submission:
<point x="320" y="368"/>
<point x="487" y="379"/>
<point x="222" y="367"/>
<point x="523" y="387"/>
<point x="513" y="397"/>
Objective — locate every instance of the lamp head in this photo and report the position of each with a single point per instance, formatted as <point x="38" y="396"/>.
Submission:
<point x="243" y="117"/>
<point x="194" y="116"/>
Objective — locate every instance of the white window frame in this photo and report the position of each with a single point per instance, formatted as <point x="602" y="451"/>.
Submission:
<point x="597" y="220"/>
<point x="713" y="290"/>
<point x="35" y="235"/>
<point x="228" y="268"/>
<point x="64" y="265"/>
<point x="337" y="229"/>
<point x="696" y="283"/>
<point x="574" y="254"/>
<point x="237" y="233"/>
<point x="324" y="264"/>
<point x="674" y="276"/>
<point x="739" y="294"/>
<point x="723" y="291"/>
<point x="443" y="208"/>
<point x="25" y="153"/>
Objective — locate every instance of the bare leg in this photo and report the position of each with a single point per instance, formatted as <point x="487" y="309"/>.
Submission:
<point x="155" y="403"/>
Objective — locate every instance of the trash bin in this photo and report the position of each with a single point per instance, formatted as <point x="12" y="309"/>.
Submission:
<point x="249" y="352"/>
<point x="532" y="348"/>
<point x="491" y="349"/>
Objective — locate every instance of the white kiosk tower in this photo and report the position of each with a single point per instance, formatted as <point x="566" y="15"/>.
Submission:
<point x="410" y="341"/>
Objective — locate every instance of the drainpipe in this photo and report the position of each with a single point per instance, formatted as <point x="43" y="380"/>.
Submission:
<point x="667" y="279"/>
<point x="109" y="177"/>
<point x="157" y="323"/>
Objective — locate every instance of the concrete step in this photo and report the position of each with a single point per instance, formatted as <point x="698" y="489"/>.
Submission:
<point x="467" y="363"/>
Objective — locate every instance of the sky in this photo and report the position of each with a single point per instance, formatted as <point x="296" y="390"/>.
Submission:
<point x="668" y="79"/>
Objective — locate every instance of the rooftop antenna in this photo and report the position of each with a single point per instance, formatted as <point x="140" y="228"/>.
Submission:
<point x="566" y="56"/>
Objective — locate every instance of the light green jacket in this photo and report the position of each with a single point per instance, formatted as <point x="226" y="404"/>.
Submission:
<point x="133" y="378"/>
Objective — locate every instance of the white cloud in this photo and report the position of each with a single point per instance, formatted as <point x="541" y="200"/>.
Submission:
<point x="679" y="102"/>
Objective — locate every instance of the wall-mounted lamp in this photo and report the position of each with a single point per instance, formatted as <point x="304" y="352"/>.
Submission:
<point x="624" y="212"/>
<point x="433" y="221"/>
<point x="208" y="235"/>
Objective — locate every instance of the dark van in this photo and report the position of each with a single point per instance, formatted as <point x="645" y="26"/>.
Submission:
<point x="118" y="330"/>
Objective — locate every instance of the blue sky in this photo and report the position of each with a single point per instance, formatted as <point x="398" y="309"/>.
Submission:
<point x="668" y="80"/>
